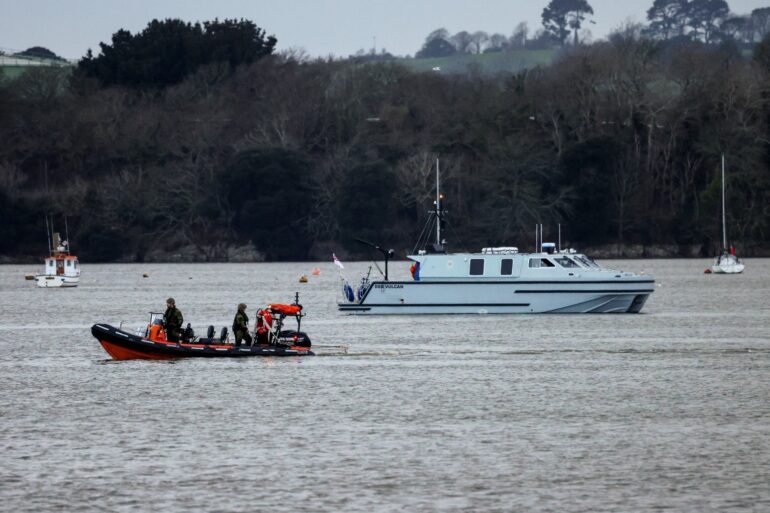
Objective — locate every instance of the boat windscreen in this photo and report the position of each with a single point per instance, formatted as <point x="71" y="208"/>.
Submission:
<point x="566" y="262"/>
<point x="586" y="261"/>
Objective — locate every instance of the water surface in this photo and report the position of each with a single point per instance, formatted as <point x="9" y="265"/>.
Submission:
<point x="664" y="410"/>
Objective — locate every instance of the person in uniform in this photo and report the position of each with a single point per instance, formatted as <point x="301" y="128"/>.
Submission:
<point x="173" y="320"/>
<point x="241" y="326"/>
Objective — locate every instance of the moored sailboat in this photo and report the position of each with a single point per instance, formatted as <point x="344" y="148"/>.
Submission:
<point x="726" y="262"/>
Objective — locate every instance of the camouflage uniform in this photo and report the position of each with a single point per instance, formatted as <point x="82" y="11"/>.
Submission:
<point x="173" y="320"/>
<point x="241" y="326"/>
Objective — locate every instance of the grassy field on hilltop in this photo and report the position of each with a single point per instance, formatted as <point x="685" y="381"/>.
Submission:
<point x="490" y="63"/>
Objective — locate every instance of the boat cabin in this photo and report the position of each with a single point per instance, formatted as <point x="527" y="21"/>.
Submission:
<point x="502" y="263"/>
<point x="62" y="265"/>
<point x="60" y="262"/>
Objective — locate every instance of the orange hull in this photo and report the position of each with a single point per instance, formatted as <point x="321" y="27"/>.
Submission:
<point x="122" y="353"/>
<point x="121" y="345"/>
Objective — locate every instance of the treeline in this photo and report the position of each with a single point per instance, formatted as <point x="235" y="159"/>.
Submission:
<point x="618" y="141"/>
<point x="684" y="21"/>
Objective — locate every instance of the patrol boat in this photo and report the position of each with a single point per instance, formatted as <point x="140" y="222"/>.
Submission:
<point x="62" y="268"/>
<point x="498" y="280"/>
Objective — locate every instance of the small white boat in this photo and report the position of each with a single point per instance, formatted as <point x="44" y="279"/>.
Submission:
<point x="726" y="262"/>
<point x="62" y="268"/>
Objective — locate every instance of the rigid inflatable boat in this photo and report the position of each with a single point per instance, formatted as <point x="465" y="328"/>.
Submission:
<point x="270" y="339"/>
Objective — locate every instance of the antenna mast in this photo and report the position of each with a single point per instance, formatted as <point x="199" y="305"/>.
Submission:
<point x="67" y="234"/>
<point x="724" y="223"/>
<point x="438" y="206"/>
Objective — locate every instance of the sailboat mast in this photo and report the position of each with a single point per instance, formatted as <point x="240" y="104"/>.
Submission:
<point x="724" y="222"/>
<point x="438" y="207"/>
<point x="48" y="233"/>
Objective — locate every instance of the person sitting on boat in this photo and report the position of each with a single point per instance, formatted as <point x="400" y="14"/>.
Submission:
<point x="241" y="326"/>
<point x="156" y="330"/>
<point x="173" y="320"/>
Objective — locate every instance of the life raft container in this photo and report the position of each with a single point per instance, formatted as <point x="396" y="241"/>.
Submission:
<point x="285" y="309"/>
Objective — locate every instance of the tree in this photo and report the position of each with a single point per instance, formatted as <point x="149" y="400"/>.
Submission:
<point x="439" y="33"/>
<point x="497" y="42"/>
<point x="269" y="191"/>
<point x="737" y="28"/>
<point x="667" y="18"/>
<point x="437" y="47"/>
<point x="166" y="52"/>
<point x="462" y="41"/>
<point x="562" y="15"/>
<point x="762" y="53"/>
<point x="760" y="23"/>
<point x="519" y="36"/>
<point x="39" y="52"/>
<point x="705" y="16"/>
<point x="479" y="39"/>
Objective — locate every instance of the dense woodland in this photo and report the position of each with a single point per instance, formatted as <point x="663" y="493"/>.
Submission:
<point x="198" y="139"/>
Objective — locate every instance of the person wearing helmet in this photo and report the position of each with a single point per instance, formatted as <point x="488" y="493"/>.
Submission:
<point x="173" y="320"/>
<point x="241" y="326"/>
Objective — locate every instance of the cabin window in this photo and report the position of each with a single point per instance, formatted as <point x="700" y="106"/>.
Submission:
<point x="566" y="262"/>
<point x="50" y="263"/>
<point x="540" y="262"/>
<point x="69" y="264"/>
<point x="586" y="261"/>
<point x="477" y="266"/>
<point x="506" y="266"/>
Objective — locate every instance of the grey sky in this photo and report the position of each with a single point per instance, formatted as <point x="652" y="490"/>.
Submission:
<point x="321" y="27"/>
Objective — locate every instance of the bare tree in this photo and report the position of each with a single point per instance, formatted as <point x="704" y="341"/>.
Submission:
<point x="462" y="41"/>
<point x="479" y="39"/>
<point x="519" y="35"/>
<point x="498" y="41"/>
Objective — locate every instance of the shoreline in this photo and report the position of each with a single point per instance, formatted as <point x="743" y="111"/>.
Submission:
<point x="604" y="252"/>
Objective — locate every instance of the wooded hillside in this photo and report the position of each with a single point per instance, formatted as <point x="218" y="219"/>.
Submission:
<point x="287" y="158"/>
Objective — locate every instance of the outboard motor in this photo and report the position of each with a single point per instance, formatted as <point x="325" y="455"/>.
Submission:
<point x="210" y="332"/>
<point x="223" y="334"/>
<point x="293" y="338"/>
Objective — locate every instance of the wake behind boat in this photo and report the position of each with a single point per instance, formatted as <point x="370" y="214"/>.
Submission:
<point x="151" y="343"/>
<point x="498" y="280"/>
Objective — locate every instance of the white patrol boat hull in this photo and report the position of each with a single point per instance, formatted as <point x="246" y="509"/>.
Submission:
<point x="504" y="282"/>
<point x="46" y="281"/>
<point x="503" y="297"/>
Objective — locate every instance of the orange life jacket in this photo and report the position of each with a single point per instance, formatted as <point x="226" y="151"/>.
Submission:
<point x="264" y="321"/>
<point x="157" y="333"/>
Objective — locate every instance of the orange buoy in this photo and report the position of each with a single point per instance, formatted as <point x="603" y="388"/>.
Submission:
<point x="316" y="271"/>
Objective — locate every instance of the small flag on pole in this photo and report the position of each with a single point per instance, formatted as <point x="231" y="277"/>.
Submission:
<point x="337" y="262"/>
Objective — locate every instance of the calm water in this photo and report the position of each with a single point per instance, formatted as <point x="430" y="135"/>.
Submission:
<point x="669" y="409"/>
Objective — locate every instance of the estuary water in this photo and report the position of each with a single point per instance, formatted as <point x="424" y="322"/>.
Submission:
<point x="665" y="410"/>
